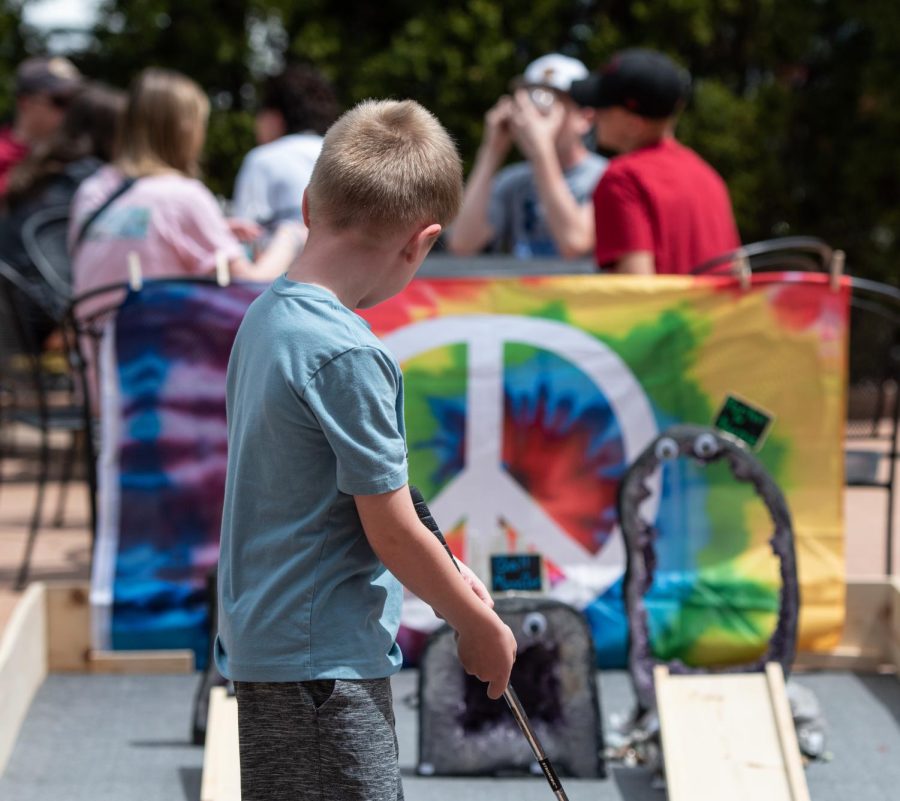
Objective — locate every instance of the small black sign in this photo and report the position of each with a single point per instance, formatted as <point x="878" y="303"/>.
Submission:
<point x="516" y="572"/>
<point x="746" y="422"/>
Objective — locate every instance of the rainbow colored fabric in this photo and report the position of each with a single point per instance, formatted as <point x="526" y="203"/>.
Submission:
<point x="162" y="466"/>
<point x="526" y="399"/>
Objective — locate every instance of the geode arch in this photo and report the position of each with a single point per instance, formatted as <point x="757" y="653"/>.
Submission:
<point x="706" y="445"/>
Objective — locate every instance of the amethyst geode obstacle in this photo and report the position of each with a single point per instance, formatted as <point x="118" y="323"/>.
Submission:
<point x="461" y="731"/>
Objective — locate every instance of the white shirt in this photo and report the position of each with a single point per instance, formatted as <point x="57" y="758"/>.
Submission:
<point x="271" y="181"/>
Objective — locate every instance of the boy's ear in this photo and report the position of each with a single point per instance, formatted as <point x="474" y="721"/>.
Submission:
<point x="421" y="242"/>
<point x="304" y="209"/>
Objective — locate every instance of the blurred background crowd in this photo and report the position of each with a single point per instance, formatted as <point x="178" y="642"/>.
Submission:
<point x="793" y="103"/>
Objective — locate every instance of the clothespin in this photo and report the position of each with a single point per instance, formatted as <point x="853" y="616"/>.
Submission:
<point x="836" y="269"/>
<point x="742" y="269"/>
<point x="135" y="278"/>
<point x="223" y="274"/>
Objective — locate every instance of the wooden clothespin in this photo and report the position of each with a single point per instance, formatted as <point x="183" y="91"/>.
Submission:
<point x="135" y="278"/>
<point x="836" y="269"/>
<point x="223" y="274"/>
<point x="742" y="269"/>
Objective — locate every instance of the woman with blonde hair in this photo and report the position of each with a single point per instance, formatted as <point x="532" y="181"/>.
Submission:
<point x="149" y="202"/>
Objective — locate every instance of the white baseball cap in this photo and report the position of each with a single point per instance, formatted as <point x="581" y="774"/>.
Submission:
<point x="554" y="70"/>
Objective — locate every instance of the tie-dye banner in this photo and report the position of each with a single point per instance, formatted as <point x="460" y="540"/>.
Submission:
<point x="527" y="398"/>
<point x="162" y="463"/>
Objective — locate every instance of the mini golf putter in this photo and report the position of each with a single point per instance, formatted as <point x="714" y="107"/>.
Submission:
<point x="512" y="700"/>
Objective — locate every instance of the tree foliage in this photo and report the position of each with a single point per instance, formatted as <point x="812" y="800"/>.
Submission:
<point x="796" y="101"/>
<point x="13" y="48"/>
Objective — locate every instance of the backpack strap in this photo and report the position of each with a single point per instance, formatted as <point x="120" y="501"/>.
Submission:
<point x="121" y="189"/>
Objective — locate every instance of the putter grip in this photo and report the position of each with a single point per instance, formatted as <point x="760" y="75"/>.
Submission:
<point x="428" y="521"/>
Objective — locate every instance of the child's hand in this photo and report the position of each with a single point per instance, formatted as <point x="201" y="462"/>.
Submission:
<point x="487" y="650"/>
<point x="475" y="583"/>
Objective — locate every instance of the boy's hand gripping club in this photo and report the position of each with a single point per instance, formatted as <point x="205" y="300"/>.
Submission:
<point x="512" y="700"/>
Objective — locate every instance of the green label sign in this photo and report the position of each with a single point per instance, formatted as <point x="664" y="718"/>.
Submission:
<point x="748" y="423"/>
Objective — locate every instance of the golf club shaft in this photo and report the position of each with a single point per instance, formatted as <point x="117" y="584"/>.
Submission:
<point x="537" y="749"/>
<point x="512" y="700"/>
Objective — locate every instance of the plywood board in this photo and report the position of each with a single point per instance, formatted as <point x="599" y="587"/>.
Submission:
<point x="68" y="626"/>
<point x="868" y="615"/>
<point x="844" y="657"/>
<point x="69" y="635"/>
<point x="865" y="641"/>
<point x="726" y="736"/>
<point x="23" y="665"/>
<point x="894" y="645"/>
<point x="221" y="758"/>
<point x="787" y="733"/>
<point x="147" y="662"/>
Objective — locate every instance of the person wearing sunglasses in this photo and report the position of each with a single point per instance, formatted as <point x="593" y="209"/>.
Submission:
<point x="540" y="207"/>
<point x="43" y="89"/>
<point x="660" y="208"/>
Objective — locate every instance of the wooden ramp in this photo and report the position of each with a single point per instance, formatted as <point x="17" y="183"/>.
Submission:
<point x="49" y="632"/>
<point x="729" y="736"/>
<point x="221" y="761"/>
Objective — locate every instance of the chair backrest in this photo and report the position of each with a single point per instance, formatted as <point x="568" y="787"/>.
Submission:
<point x="794" y="253"/>
<point x="20" y="364"/>
<point x="44" y="235"/>
<point x="874" y="360"/>
<point x="83" y="328"/>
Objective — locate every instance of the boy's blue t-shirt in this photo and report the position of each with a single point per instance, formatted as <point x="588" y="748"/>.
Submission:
<point x="315" y="416"/>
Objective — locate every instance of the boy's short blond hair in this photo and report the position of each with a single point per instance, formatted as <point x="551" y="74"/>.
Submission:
<point x="386" y="165"/>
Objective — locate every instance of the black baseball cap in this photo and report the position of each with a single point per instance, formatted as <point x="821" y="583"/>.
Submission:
<point x="646" y="82"/>
<point x="55" y="76"/>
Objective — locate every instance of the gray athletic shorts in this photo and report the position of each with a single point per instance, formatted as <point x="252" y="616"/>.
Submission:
<point x="318" y="740"/>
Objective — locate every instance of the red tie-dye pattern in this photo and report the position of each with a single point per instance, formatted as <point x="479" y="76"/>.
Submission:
<point x="558" y="468"/>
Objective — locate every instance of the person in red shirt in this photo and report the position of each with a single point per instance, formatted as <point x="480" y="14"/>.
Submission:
<point x="659" y="207"/>
<point x="43" y="89"/>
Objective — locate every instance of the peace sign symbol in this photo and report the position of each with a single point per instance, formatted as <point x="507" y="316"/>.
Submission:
<point x="483" y="493"/>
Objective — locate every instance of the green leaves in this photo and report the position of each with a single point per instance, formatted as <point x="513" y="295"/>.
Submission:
<point x="796" y="101"/>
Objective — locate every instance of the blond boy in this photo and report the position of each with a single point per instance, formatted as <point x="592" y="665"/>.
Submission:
<point x="318" y="528"/>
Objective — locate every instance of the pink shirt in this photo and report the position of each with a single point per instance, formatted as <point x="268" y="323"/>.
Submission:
<point x="172" y="222"/>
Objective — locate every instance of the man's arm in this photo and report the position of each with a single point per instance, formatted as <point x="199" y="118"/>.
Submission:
<point x="486" y="646"/>
<point x="570" y="223"/>
<point x="472" y="229"/>
<point x="639" y="262"/>
<point x="285" y="245"/>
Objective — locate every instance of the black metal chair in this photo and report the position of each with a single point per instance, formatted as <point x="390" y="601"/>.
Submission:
<point x="84" y="327"/>
<point x="40" y="393"/>
<point x="44" y="236"/>
<point x="796" y="253"/>
<point x="874" y="395"/>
